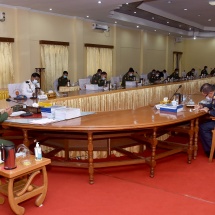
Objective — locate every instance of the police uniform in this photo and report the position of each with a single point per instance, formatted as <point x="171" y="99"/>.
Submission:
<point x="205" y="129"/>
<point x="28" y="88"/>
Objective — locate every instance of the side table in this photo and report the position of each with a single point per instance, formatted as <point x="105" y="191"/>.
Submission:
<point x="18" y="184"/>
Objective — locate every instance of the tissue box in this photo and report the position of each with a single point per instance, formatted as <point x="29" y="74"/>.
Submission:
<point x="67" y="113"/>
<point x="49" y="112"/>
<point x="171" y="108"/>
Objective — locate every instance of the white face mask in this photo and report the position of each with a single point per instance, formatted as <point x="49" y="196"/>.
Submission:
<point x="208" y="98"/>
<point x="34" y="81"/>
<point x="130" y="74"/>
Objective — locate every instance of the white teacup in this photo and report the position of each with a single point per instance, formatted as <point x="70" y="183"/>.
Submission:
<point x="165" y="99"/>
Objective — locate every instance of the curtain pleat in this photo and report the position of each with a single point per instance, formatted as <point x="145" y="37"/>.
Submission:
<point x="6" y="64"/>
<point x="55" y="60"/>
<point x="99" y="58"/>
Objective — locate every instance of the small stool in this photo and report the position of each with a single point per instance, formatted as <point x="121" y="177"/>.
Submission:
<point x="212" y="147"/>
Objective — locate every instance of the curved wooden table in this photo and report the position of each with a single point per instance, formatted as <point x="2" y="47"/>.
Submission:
<point x="139" y="120"/>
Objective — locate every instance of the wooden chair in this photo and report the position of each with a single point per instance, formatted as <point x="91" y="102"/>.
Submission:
<point x="212" y="147"/>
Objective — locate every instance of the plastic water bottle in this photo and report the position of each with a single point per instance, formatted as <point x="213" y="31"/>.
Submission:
<point x="38" y="152"/>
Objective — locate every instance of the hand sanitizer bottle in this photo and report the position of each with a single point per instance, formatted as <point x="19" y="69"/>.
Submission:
<point x="38" y="152"/>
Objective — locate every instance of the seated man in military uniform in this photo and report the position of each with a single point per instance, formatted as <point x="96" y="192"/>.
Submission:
<point x="129" y="76"/>
<point x="96" y="77"/>
<point x="62" y="81"/>
<point x="204" y="72"/>
<point x="191" y="73"/>
<point x="155" y="77"/>
<point x="103" y="79"/>
<point x="175" y="75"/>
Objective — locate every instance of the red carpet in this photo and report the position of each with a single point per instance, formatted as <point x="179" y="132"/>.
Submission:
<point x="178" y="188"/>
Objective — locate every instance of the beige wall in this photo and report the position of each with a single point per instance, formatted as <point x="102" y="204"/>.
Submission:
<point x="142" y="50"/>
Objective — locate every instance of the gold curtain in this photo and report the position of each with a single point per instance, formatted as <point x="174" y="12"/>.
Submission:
<point x="99" y="58"/>
<point x="6" y="64"/>
<point x="55" y="60"/>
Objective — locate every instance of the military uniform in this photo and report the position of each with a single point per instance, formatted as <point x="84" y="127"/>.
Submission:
<point x="205" y="129"/>
<point x="95" y="78"/>
<point x="175" y="76"/>
<point x="190" y="74"/>
<point x="204" y="72"/>
<point x="101" y="82"/>
<point x="62" y="82"/>
<point x="127" y="77"/>
<point x="154" y="78"/>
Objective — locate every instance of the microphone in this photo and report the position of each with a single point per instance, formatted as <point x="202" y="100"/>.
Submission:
<point x="175" y="92"/>
<point x="20" y="103"/>
<point x="28" y="113"/>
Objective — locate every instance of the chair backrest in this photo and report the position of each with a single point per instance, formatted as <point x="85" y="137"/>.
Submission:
<point x="15" y="89"/>
<point x="114" y="80"/>
<point x="83" y="82"/>
<point x="55" y="85"/>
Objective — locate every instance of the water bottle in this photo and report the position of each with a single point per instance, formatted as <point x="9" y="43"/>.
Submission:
<point x="38" y="152"/>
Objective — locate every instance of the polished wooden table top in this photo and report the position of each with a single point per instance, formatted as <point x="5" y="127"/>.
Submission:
<point x="144" y="117"/>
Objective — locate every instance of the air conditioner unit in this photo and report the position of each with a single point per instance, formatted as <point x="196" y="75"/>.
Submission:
<point x="178" y="39"/>
<point x="100" y="27"/>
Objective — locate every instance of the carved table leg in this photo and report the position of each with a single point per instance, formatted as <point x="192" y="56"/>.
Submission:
<point x="190" y="145"/>
<point x="13" y="204"/>
<point x="40" y="199"/>
<point x="153" y="162"/>
<point x="1" y="200"/>
<point x="90" y="157"/>
<point x="195" y="147"/>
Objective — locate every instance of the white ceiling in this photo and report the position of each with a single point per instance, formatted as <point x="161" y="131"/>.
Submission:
<point x="197" y="15"/>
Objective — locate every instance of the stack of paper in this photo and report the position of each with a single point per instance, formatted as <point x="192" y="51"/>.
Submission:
<point x="171" y="108"/>
<point x="67" y="113"/>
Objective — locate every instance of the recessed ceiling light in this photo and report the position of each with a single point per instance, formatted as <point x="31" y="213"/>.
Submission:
<point x="99" y="2"/>
<point x="209" y="20"/>
<point x="50" y="8"/>
<point x="185" y="8"/>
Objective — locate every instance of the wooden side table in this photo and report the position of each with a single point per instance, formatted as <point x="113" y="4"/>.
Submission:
<point x="18" y="185"/>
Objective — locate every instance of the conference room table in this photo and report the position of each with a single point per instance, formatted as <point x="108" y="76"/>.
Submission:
<point x="144" y="123"/>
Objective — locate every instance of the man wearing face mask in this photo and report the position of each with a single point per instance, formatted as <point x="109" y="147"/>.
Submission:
<point x="129" y="76"/>
<point x="175" y="75"/>
<point x="102" y="81"/>
<point x="29" y="86"/>
<point x="62" y="81"/>
<point x="205" y="128"/>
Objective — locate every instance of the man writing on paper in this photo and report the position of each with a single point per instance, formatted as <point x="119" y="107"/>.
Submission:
<point x="205" y="128"/>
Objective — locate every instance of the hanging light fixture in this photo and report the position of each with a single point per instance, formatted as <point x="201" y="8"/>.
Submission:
<point x="212" y="2"/>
